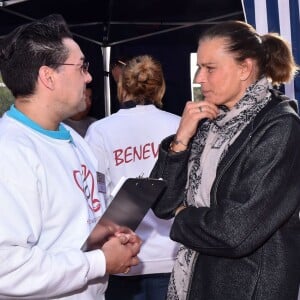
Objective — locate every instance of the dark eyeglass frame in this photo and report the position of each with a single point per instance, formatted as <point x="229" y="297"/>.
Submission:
<point x="84" y="66"/>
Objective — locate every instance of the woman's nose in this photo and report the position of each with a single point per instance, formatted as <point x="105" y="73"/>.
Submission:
<point x="199" y="76"/>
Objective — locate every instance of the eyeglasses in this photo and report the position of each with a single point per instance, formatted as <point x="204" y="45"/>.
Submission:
<point x="84" y="66"/>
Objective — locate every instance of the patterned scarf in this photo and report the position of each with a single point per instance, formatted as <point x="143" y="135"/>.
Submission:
<point x="209" y="146"/>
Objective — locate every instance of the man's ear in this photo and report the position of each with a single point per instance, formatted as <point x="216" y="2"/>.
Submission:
<point x="247" y="69"/>
<point x="46" y="77"/>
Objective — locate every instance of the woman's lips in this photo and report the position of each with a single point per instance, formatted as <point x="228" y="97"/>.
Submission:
<point x="205" y="93"/>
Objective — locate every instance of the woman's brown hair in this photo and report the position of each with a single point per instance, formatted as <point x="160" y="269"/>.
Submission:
<point x="142" y="79"/>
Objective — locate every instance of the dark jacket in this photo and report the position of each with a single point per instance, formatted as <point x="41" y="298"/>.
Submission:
<point x="248" y="240"/>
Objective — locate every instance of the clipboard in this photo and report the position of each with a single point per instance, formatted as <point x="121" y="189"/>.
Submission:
<point x="128" y="208"/>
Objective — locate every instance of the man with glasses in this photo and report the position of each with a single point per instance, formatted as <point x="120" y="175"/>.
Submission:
<point x="51" y="195"/>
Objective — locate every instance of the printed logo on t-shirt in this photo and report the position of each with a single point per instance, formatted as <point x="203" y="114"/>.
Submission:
<point x="131" y="154"/>
<point x="86" y="183"/>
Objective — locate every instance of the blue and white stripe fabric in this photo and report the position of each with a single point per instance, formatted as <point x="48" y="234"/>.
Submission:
<point x="280" y="16"/>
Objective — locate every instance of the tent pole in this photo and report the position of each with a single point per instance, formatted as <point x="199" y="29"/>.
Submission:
<point x="106" y="61"/>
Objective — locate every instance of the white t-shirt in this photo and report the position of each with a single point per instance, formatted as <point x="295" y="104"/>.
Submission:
<point x="126" y="144"/>
<point x="49" y="204"/>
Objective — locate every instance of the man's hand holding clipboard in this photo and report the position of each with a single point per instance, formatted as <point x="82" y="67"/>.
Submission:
<point x="125" y="212"/>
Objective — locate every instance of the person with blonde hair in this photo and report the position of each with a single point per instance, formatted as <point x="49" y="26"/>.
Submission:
<point x="233" y="173"/>
<point x="126" y="143"/>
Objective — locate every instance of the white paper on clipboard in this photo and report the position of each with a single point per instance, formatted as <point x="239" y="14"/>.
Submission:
<point x="128" y="208"/>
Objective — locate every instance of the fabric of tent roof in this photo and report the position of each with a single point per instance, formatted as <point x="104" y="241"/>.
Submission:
<point x="105" y="17"/>
<point x="165" y="29"/>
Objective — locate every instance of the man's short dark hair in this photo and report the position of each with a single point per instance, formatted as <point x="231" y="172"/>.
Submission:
<point x="30" y="46"/>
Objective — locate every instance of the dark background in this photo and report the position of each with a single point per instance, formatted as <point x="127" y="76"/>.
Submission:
<point x="167" y="30"/>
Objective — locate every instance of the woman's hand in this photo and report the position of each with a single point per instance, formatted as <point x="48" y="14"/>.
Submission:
<point x="192" y="114"/>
